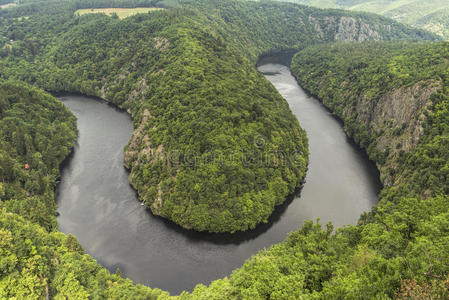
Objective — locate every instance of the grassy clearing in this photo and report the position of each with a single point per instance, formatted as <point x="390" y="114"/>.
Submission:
<point x="121" y="12"/>
<point x="3" y="6"/>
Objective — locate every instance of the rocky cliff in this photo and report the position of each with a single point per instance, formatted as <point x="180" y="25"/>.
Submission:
<point x="187" y="78"/>
<point x="291" y="26"/>
<point x="395" y="121"/>
<point x="384" y="100"/>
<point x="348" y="29"/>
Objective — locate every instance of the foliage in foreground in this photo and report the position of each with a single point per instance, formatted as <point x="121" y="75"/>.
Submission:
<point x="399" y="248"/>
<point x="36" y="264"/>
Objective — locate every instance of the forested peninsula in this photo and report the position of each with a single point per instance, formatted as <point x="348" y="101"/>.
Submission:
<point x="186" y="75"/>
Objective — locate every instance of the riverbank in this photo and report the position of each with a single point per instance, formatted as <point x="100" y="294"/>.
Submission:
<point x="97" y="205"/>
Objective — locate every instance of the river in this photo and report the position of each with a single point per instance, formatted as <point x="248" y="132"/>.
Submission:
<point x="98" y="206"/>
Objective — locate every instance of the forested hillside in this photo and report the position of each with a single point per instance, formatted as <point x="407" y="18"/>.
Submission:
<point x="400" y="248"/>
<point x="429" y="15"/>
<point x="386" y="103"/>
<point x="36" y="261"/>
<point x="393" y="99"/>
<point x="187" y="78"/>
<point x="36" y="134"/>
<point x="186" y="75"/>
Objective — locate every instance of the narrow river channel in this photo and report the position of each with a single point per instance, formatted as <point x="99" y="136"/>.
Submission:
<point x="98" y="206"/>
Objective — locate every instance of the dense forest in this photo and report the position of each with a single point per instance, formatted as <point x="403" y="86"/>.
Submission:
<point x="429" y="15"/>
<point x="203" y="118"/>
<point x="37" y="133"/>
<point x="186" y="76"/>
<point x="404" y="239"/>
<point x="403" y="82"/>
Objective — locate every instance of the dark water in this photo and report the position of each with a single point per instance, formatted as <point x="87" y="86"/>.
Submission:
<point x="97" y="205"/>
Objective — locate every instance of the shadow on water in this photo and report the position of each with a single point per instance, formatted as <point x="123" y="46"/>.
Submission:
<point x="63" y="96"/>
<point x="194" y="236"/>
<point x="65" y="164"/>
<point x="235" y="238"/>
<point x="283" y="57"/>
<point x="97" y="205"/>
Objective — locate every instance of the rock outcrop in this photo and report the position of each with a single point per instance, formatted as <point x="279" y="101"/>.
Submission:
<point x="396" y="120"/>
<point x="347" y="29"/>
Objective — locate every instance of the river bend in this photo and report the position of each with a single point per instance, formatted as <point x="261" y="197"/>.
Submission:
<point x="98" y="206"/>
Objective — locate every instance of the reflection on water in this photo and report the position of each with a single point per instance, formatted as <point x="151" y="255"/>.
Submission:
<point x="97" y="204"/>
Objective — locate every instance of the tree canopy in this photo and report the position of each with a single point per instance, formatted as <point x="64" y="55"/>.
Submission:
<point x="210" y="139"/>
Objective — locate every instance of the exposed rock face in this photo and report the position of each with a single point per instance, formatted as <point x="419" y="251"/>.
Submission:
<point x="161" y="43"/>
<point x="404" y="108"/>
<point x="137" y="77"/>
<point x="352" y="30"/>
<point x="396" y="120"/>
<point x="141" y="88"/>
<point x="346" y="29"/>
<point x="138" y="138"/>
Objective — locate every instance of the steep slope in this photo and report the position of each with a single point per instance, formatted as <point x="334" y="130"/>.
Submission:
<point x="393" y="99"/>
<point x="400" y="249"/>
<point x="384" y="101"/>
<point x="169" y="68"/>
<point x="207" y="123"/>
<point x="266" y="25"/>
<point x="428" y="15"/>
<point x="36" y="134"/>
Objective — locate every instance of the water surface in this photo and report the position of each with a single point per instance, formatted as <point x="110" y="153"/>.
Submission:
<point x="98" y="206"/>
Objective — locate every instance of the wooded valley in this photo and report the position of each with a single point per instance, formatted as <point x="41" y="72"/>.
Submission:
<point x="186" y="75"/>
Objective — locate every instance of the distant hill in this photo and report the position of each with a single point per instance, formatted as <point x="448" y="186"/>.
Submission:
<point x="430" y="15"/>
